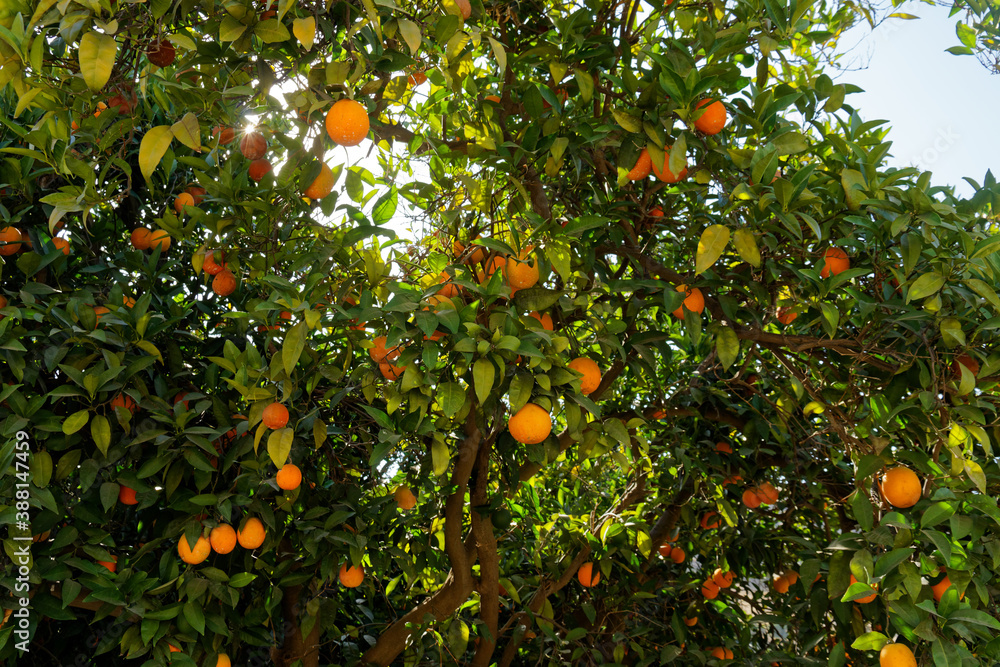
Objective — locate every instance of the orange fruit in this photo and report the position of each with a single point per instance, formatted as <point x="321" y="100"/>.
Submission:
<point x="112" y="564"/>
<point x="722" y="653"/>
<point x="767" y="493"/>
<point x="710" y="590"/>
<point x="224" y="283"/>
<point x="225" y="134"/>
<point x="351" y="577"/>
<point x="751" y="499"/>
<point x="161" y="53"/>
<point x="531" y="425"/>
<point x="62" y="244"/>
<point x="223" y="661"/>
<point x="722" y="579"/>
<point x="322" y="185"/>
<point x="448" y="289"/>
<point x="834" y="261"/>
<point x="124" y="401"/>
<point x="588" y="576"/>
<point x="10" y="240"/>
<point x="405" y="498"/>
<point x="465" y="8"/>
<point x="417" y="78"/>
<point x="780" y="583"/>
<point x="210" y="266"/>
<point x="723" y="447"/>
<point x="693" y="301"/>
<point x="642" y="168"/>
<point x="126" y="496"/>
<point x="258" y="169"/>
<point x="521" y="275"/>
<point x="591" y="373"/>
<point x="691" y="622"/>
<point x="543" y="318"/>
<point x="786" y="315"/>
<point x="896" y="655"/>
<point x="275" y="416"/>
<point x="289" y="477"/>
<point x="477" y="255"/>
<point x="253" y="145"/>
<point x="492" y="266"/>
<point x="347" y="122"/>
<point x="140" y="238"/>
<point x="901" y="487"/>
<point x="252" y="535"/>
<point x="940" y="587"/>
<point x="710" y="520"/>
<point x="655" y="212"/>
<point x="197" y="193"/>
<point x="713" y="119"/>
<point x="182" y="200"/>
<point x="390" y="371"/>
<point x="202" y="548"/>
<point x="492" y="98"/>
<point x="867" y="598"/>
<point x="379" y="354"/>
<point x="677" y="555"/>
<point x="173" y="649"/>
<point x="160" y="239"/>
<point x="222" y="538"/>
<point x="663" y="172"/>
<point x="968" y="362"/>
<point x="792" y="576"/>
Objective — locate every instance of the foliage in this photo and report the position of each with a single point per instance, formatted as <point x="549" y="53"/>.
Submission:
<point x="518" y="145"/>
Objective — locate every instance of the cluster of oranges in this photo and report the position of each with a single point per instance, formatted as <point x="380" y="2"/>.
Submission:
<point x="222" y="540"/>
<point x="720" y="579"/>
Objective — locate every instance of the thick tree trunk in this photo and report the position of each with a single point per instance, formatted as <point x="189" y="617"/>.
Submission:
<point x="489" y="562"/>
<point x="296" y="647"/>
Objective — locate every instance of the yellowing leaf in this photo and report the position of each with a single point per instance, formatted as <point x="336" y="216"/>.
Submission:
<point x="154" y="144"/>
<point x="305" y="31"/>
<point x="411" y="34"/>
<point x="97" y="58"/>
<point x="231" y="29"/>
<point x="711" y="246"/>
<point x="727" y="345"/>
<point x="500" y="53"/>
<point x="279" y="445"/>
<point x="440" y="456"/>
<point x="854" y="184"/>
<point x="627" y="121"/>
<point x="187" y="131"/>
<point x="483" y="375"/>
<point x="746" y="246"/>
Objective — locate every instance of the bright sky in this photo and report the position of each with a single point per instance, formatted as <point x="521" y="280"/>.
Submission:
<point x="942" y="108"/>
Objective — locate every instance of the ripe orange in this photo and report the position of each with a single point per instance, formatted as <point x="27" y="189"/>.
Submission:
<point x="643" y="167"/>
<point x="161" y="53"/>
<point x="62" y="244"/>
<point x="173" y="649"/>
<point x="202" y="548"/>
<point x="521" y="275"/>
<point x="834" y="261"/>
<point x="694" y="301"/>
<point x="723" y="447"/>
<point x="405" y="498"/>
<point x="182" y="200"/>
<point x="710" y="520"/>
<point x="767" y="493"/>
<point x="223" y="661"/>
<point x="677" y="555"/>
<point x="691" y="622"/>
<point x="968" y="362"/>
<point x="940" y="587"/>
<point x="347" y="122"/>
<point x="591" y="373"/>
<point x="896" y="655"/>
<point x="126" y="496"/>
<point x="222" y="538"/>
<point x="140" y="238"/>
<point x="289" y="477"/>
<point x="258" y="169"/>
<point x="867" y="598"/>
<point x="275" y="416"/>
<point x="224" y="283"/>
<point x="722" y="653"/>
<point x="10" y="238"/>
<point x="588" y="575"/>
<point x="252" y="535"/>
<point x="379" y="354"/>
<point x="722" y="579"/>
<point x="210" y="266"/>
<point x="160" y="239"/>
<point x="780" y="583"/>
<point x="477" y="255"/>
<point x="492" y="98"/>
<point x="713" y="119"/>
<point x="496" y="263"/>
<point x="663" y="172"/>
<point x="710" y="589"/>
<point x="531" y="425"/>
<point x="124" y="401"/>
<point x="751" y="499"/>
<point x="901" y="487"/>
<point x="225" y="134"/>
<point x="253" y="145"/>
<point x="465" y="7"/>
<point x="322" y="185"/>
<point x="112" y="564"/>
<point x="448" y="289"/>
<point x="197" y="193"/>
<point x="786" y="315"/>
<point x="543" y="318"/>
<point x="351" y="577"/>
<point x="390" y="371"/>
<point x="417" y="78"/>
<point x="793" y="577"/>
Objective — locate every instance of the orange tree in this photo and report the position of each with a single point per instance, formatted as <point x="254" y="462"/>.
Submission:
<point x="669" y="367"/>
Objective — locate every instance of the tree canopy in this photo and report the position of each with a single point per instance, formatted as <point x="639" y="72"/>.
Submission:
<point x="613" y="341"/>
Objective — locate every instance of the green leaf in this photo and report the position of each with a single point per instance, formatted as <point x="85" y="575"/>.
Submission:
<point x="100" y="431"/>
<point x="154" y="144"/>
<point x="230" y="30"/>
<point x="888" y="562"/>
<point x="854" y="185"/>
<point x="925" y="286"/>
<point x="291" y="349"/>
<point x="440" y="455"/>
<point x="746" y="246"/>
<point x="483" y="375"/>
<point x="984" y="290"/>
<point x="451" y="397"/>
<point x="870" y="641"/>
<point x="41" y="468"/>
<point x="279" y="445"/>
<point x="97" y="59"/>
<point x="727" y="345"/>
<point x="711" y="246"/>
<point x="272" y="31"/>
<point x="187" y="131"/>
<point x="109" y="494"/>
<point x="974" y="616"/>
<point x="75" y="422"/>
<point x="241" y="579"/>
<point x="629" y="122"/>
<point x="790" y="143"/>
<point x="411" y="34"/>
<point x="500" y="53"/>
<point x="195" y="616"/>
<point x="936" y="513"/>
